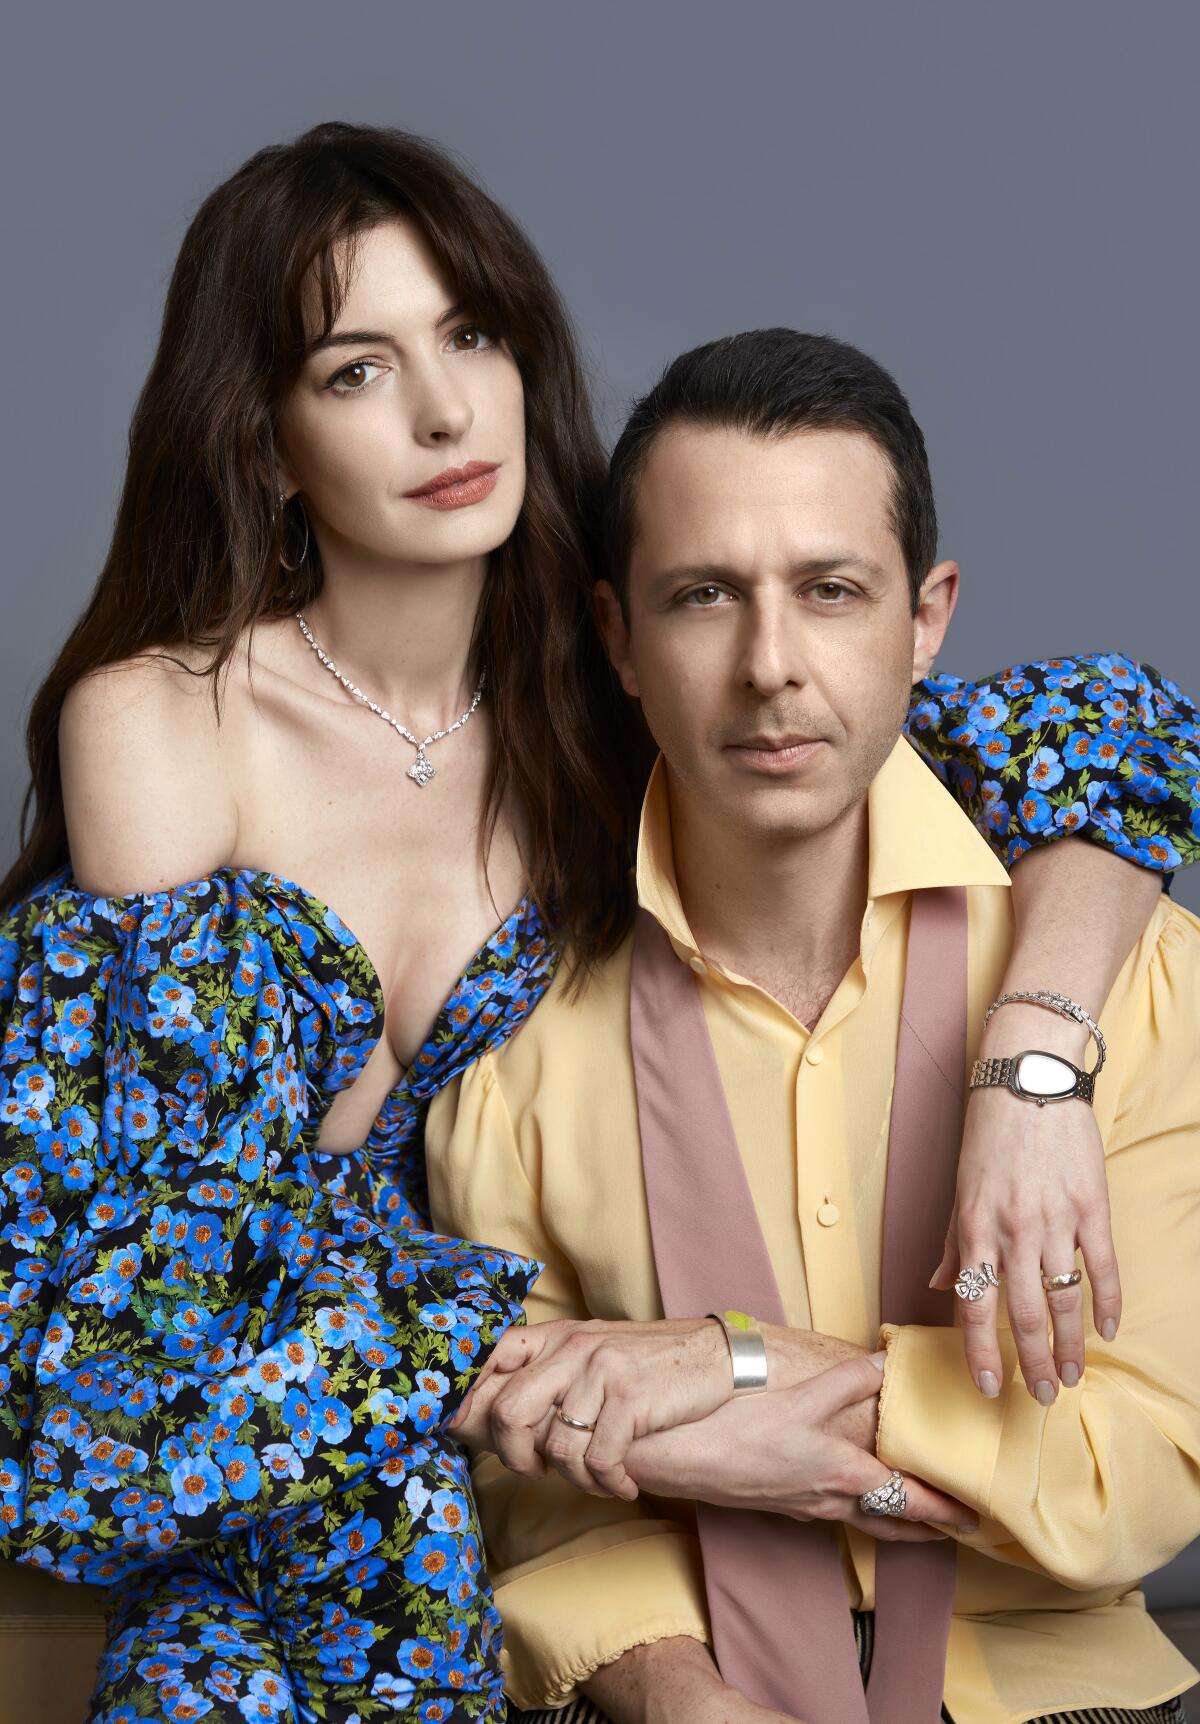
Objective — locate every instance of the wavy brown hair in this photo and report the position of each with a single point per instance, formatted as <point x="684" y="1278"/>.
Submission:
<point x="199" y="543"/>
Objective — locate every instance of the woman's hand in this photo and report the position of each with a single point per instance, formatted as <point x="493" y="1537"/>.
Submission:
<point x="625" y="1379"/>
<point x="1032" y="1187"/>
<point x="782" y="1452"/>
<point x="1031" y="1180"/>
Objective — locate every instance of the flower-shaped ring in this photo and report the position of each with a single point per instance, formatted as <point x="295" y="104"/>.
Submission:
<point x="974" y="1283"/>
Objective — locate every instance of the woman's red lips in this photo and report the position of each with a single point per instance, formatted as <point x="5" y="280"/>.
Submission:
<point x="453" y="476"/>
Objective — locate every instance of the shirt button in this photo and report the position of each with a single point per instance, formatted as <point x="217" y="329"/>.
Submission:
<point x="698" y="965"/>
<point x="815" y="1055"/>
<point x="829" y="1215"/>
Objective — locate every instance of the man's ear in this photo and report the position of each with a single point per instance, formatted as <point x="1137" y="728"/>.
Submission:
<point x="939" y="595"/>
<point x="615" y="630"/>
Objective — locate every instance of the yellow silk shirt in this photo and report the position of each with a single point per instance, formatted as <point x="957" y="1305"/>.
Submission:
<point x="537" y="1149"/>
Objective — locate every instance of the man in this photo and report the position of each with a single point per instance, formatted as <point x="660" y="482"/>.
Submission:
<point x="776" y="597"/>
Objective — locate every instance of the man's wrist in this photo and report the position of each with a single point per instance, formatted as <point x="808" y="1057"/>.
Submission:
<point x="795" y="1355"/>
<point x="652" y="1684"/>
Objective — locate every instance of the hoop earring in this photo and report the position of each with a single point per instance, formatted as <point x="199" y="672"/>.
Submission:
<point x="299" y="563"/>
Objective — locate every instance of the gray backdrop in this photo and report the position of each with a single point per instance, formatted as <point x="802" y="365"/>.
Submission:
<point x="996" y="201"/>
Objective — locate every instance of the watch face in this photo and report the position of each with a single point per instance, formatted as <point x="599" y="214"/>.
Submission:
<point x="1044" y="1074"/>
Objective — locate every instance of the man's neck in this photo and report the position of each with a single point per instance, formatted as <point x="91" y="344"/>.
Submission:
<point x="784" y="913"/>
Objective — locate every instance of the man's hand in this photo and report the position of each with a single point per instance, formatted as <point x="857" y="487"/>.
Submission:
<point x="777" y="1452"/>
<point x="624" y="1379"/>
<point x="672" y="1681"/>
<point x="806" y="1449"/>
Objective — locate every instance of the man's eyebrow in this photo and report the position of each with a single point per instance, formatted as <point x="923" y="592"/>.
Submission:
<point x="370" y="337"/>
<point x="826" y="565"/>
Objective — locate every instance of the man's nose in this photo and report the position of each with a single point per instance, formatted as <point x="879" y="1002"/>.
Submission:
<point x="771" y="653"/>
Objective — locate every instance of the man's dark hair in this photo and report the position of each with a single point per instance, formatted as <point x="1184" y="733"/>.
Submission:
<point x="769" y="382"/>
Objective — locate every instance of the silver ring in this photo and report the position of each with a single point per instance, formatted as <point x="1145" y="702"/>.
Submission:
<point x="974" y="1283"/>
<point x="1071" y="1279"/>
<point x="889" y="1498"/>
<point x="575" y="1424"/>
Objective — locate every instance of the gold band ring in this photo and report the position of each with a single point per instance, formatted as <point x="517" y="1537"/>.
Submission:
<point x="575" y="1424"/>
<point x="1071" y="1279"/>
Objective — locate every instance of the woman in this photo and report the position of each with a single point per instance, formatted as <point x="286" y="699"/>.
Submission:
<point x="232" y="1346"/>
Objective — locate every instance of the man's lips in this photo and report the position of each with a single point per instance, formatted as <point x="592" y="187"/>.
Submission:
<point x="763" y="742"/>
<point x="774" y="753"/>
<point x="453" y="476"/>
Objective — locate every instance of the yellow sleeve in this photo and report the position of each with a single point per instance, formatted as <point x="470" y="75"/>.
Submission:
<point x="578" y="1579"/>
<point x="1102" y="1487"/>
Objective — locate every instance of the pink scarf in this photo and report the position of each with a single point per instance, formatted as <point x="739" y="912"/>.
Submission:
<point x="782" y="1627"/>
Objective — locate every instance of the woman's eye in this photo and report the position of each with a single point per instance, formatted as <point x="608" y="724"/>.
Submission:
<point x="703" y="598"/>
<point x="356" y="382"/>
<point x="480" y="339"/>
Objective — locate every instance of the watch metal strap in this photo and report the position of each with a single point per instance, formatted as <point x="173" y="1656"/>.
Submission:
<point x="747" y="1351"/>
<point x="986" y="1073"/>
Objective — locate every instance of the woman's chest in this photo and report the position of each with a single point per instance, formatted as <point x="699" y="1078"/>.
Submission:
<point x="400" y="865"/>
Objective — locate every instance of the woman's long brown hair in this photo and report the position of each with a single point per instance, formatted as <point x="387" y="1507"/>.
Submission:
<point x="199" y="541"/>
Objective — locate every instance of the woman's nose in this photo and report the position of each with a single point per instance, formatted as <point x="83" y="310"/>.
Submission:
<point x="442" y="413"/>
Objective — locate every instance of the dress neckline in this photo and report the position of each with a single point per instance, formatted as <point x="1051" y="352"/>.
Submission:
<point x="324" y="915"/>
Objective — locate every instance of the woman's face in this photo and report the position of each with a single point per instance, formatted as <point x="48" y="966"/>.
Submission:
<point x="404" y="388"/>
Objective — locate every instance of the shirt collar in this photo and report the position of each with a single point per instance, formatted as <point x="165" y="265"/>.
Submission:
<point x="918" y="836"/>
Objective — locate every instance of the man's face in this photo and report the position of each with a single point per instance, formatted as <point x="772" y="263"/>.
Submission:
<point x="770" y="636"/>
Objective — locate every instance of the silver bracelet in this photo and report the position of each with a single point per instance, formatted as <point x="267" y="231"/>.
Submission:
<point x="1064" y="1006"/>
<point x="747" y="1355"/>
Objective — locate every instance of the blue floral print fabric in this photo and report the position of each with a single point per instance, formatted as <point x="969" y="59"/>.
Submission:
<point x="227" y="1359"/>
<point x="1096" y="746"/>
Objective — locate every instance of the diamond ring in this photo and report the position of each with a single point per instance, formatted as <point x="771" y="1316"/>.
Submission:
<point x="974" y="1283"/>
<point x="889" y="1498"/>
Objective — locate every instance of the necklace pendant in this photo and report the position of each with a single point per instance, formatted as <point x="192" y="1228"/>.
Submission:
<point x="422" y="770"/>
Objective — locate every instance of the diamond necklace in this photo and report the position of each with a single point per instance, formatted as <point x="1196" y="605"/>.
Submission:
<point x="422" y="768"/>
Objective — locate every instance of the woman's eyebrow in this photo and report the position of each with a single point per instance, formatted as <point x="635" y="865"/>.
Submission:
<point x="349" y="338"/>
<point x="370" y="337"/>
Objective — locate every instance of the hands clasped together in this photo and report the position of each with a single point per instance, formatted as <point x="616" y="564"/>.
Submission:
<point x="652" y="1404"/>
<point x="659" y="1397"/>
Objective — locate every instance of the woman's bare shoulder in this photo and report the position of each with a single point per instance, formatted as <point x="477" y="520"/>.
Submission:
<point x="146" y="797"/>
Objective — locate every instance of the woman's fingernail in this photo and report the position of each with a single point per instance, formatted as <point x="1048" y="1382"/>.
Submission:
<point x="1045" y="1393"/>
<point x="968" y="1526"/>
<point x="879" y="1360"/>
<point x="1110" y="1328"/>
<point x="1070" y="1374"/>
<point x="988" y="1384"/>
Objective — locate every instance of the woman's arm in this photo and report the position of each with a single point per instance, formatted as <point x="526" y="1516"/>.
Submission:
<point x="1079" y="911"/>
<point x="1084" y="775"/>
<point x="1097" y="746"/>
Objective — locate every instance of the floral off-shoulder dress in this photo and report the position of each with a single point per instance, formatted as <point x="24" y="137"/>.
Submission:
<point x="227" y="1360"/>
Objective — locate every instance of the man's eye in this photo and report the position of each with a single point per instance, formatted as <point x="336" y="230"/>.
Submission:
<point x="702" y="598"/>
<point x="353" y="372"/>
<point x="480" y="339"/>
<point x="831" y="591"/>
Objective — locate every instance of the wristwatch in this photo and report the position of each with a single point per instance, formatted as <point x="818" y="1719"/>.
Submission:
<point x="1035" y="1076"/>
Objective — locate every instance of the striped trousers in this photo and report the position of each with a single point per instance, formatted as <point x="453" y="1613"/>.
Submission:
<point x="1169" y="1712"/>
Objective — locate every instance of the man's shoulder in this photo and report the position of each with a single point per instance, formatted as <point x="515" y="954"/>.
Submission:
<point x="578" y="1027"/>
<point x="1156" y="996"/>
<point x="1173" y="929"/>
